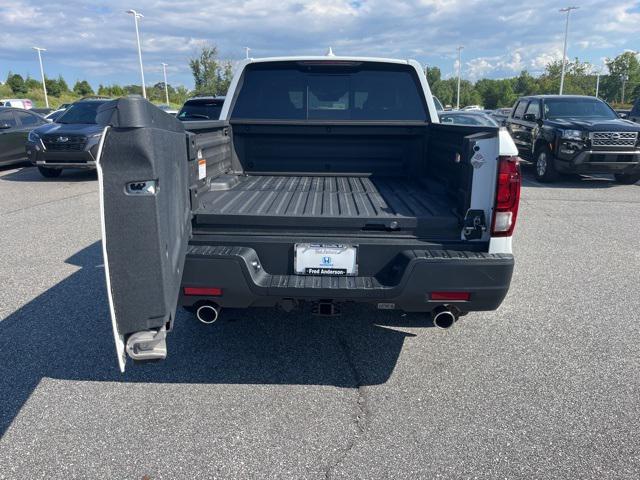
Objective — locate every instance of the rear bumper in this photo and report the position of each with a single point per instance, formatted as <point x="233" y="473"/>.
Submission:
<point x="406" y="283"/>
<point x="599" y="161"/>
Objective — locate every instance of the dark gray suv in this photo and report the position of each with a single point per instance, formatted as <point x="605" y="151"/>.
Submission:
<point x="15" y="125"/>
<point x="71" y="142"/>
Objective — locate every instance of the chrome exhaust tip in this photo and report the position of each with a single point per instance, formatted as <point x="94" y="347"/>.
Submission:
<point x="443" y="317"/>
<point x="208" y="313"/>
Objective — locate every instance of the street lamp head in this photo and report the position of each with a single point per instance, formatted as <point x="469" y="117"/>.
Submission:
<point x="568" y="9"/>
<point x="40" y="49"/>
<point x="135" y="14"/>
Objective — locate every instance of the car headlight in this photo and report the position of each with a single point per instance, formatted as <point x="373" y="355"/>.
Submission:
<point x="572" y="134"/>
<point x="33" y="137"/>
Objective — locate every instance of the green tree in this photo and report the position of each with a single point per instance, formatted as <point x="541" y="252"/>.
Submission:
<point x="434" y="75"/>
<point x="578" y="79"/>
<point x="82" y="88"/>
<point x="156" y="93"/>
<point x="525" y="84"/>
<point x="111" y="91"/>
<point x="131" y="89"/>
<point x="443" y="91"/>
<point x="210" y="76"/>
<point x="16" y="83"/>
<point x="495" y="93"/>
<point x="624" y="68"/>
<point x="180" y="95"/>
<point x="53" y="87"/>
<point x="32" y="84"/>
<point x="64" y="88"/>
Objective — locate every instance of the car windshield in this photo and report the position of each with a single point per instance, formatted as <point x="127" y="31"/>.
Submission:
<point x="317" y="90"/>
<point x="470" y="119"/>
<point x="577" y="107"/>
<point x="200" y="110"/>
<point x="81" y="112"/>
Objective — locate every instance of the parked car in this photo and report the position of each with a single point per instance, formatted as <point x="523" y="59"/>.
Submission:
<point x="71" y="142"/>
<point x="300" y="195"/>
<point x="53" y="116"/>
<point x="201" y="108"/>
<point x="23" y="103"/>
<point x="468" y="118"/>
<point x="438" y="103"/>
<point x="575" y="134"/>
<point x="15" y="125"/>
<point x="42" y="111"/>
<point x="634" y="114"/>
<point x="169" y="109"/>
<point x="501" y="115"/>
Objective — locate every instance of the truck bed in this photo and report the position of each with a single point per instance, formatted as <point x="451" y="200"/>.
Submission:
<point x="341" y="202"/>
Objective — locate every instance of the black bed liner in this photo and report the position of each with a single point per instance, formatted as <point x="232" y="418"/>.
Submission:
<point x="359" y="202"/>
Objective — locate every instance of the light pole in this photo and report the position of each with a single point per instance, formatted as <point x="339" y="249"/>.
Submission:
<point x="564" y="50"/>
<point x="246" y="52"/>
<point x="166" y="89"/>
<point x="459" y="71"/>
<point x="598" y="82"/>
<point x="44" y="83"/>
<point x="136" y="16"/>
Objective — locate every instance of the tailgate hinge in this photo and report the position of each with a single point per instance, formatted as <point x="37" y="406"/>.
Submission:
<point x="148" y="345"/>
<point x="474" y="224"/>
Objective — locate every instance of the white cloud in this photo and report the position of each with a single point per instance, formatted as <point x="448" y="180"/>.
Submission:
<point x="501" y="37"/>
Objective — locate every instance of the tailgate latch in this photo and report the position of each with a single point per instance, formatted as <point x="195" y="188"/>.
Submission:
<point x="474" y="224"/>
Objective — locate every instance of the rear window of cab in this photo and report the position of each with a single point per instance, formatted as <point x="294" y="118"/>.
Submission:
<point x="321" y="91"/>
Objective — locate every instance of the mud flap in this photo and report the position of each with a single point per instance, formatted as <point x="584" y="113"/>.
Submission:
<point x="145" y="217"/>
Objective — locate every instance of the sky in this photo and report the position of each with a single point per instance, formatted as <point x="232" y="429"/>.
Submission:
<point x="95" y="40"/>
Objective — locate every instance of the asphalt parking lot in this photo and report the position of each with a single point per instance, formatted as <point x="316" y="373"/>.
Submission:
<point x="546" y="387"/>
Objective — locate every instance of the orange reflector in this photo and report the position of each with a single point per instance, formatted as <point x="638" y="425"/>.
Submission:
<point x="451" y="296"/>
<point x="203" y="291"/>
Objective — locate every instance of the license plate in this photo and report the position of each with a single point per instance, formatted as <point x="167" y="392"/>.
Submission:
<point x="316" y="259"/>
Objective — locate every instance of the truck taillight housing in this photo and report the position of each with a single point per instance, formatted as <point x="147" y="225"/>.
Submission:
<point x="507" y="197"/>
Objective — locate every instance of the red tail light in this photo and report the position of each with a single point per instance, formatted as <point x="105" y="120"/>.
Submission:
<point x="507" y="197"/>
<point x="451" y="296"/>
<point x="203" y="291"/>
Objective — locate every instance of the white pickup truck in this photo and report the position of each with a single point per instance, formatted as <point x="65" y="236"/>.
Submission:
<point x="327" y="180"/>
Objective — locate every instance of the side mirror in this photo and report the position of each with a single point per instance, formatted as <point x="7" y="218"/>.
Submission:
<point x="530" y="117"/>
<point x="4" y="126"/>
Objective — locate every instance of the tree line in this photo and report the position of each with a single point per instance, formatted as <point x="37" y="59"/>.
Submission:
<point x="620" y="87"/>
<point x="211" y="77"/>
<point x="623" y="78"/>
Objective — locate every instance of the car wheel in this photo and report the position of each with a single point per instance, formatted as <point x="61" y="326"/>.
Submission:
<point x="545" y="166"/>
<point x="49" y="172"/>
<point x="627" y="178"/>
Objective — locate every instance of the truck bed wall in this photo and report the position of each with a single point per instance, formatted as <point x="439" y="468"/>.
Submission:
<point x="403" y="149"/>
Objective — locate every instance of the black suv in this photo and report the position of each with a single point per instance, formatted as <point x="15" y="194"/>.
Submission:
<point x="71" y="142"/>
<point x="634" y="114"/>
<point x="575" y="134"/>
<point x="201" y="108"/>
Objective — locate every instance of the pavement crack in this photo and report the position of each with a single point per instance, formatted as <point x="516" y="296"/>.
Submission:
<point x="360" y="416"/>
